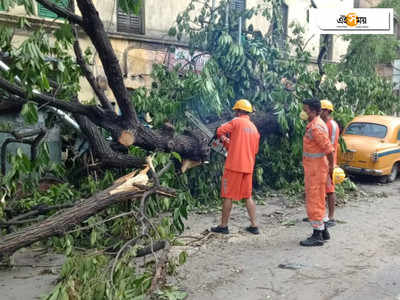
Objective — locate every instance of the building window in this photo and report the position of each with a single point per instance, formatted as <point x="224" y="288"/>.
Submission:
<point x="130" y="23"/>
<point x="238" y="5"/>
<point x="329" y="51"/>
<point x="45" y="13"/>
<point x="356" y="3"/>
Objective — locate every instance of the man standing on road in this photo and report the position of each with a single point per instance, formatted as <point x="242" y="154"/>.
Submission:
<point x="318" y="165"/>
<point x="237" y="180"/>
<point x="333" y="131"/>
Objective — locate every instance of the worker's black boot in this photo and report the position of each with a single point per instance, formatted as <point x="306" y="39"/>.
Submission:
<point x="325" y="233"/>
<point x="315" y="239"/>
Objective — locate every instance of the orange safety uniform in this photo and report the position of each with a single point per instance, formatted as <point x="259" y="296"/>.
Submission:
<point x="316" y="145"/>
<point x="333" y="131"/>
<point x="237" y="180"/>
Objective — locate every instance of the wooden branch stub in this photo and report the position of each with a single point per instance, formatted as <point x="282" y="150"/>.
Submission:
<point x="126" y="138"/>
<point x="188" y="164"/>
<point x="168" y="127"/>
<point x="102" y="82"/>
<point x="130" y="181"/>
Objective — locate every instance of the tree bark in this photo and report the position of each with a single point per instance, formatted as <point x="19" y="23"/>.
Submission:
<point x="122" y="190"/>
<point x="126" y="127"/>
<point x="94" y="28"/>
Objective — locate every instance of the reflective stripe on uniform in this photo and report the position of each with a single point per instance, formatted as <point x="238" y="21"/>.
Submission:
<point x="334" y="129"/>
<point x="313" y="155"/>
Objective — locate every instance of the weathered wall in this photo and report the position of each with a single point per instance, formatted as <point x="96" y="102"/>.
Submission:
<point x="137" y="53"/>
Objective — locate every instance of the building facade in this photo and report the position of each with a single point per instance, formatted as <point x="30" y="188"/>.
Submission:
<point x="142" y="40"/>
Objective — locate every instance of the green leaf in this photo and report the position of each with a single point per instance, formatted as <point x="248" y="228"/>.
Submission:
<point x="65" y="32"/>
<point x="30" y="113"/>
<point x="93" y="237"/>
<point x="130" y="6"/>
<point x="55" y="292"/>
<point x="182" y="257"/>
<point x="172" y="31"/>
<point x="177" y="156"/>
<point x="45" y="82"/>
<point x="166" y="202"/>
<point x="63" y="294"/>
<point x="60" y="66"/>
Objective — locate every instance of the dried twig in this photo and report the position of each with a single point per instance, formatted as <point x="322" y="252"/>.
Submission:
<point x="126" y="245"/>
<point x="160" y="269"/>
<point x="130" y="213"/>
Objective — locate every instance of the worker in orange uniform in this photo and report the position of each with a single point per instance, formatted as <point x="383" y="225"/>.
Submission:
<point x="237" y="179"/>
<point x="318" y="165"/>
<point x="333" y="132"/>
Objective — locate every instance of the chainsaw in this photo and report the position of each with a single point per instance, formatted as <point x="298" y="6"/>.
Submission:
<point x="215" y="144"/>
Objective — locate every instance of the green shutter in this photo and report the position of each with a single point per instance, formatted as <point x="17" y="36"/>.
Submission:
<point x="1" y="7"/>
<point x="45" y="13"/>
<point x="239" y="5"/>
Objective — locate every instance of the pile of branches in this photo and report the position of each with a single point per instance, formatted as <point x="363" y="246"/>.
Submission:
<point x="135" y="186"/>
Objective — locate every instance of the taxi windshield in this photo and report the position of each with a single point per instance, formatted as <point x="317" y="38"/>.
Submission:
<point x="367" y="129"/>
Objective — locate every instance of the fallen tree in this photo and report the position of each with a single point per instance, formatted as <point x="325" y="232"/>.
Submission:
<point x="125" y="128"/>
<point x="131" y="187"/>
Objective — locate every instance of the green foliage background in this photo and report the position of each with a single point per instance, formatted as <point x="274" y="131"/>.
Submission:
<point x="253" y="65"/>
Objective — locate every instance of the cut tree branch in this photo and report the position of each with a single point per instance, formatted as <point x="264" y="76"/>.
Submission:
<point x="102" y="148"/>
<point x="94" y="28"/>
<point x="87" y="110"/>
<point x="123" y="189"/>
<point x="89" y="75"/>
<point x="321" y="54"/>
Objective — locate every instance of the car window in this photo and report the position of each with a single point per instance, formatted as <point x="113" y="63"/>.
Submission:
<point x="398" y="135"/>
<point x="367" y="129"/>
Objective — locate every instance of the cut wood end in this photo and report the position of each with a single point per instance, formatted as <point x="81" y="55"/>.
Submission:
<point x="126" y="177"/>
<point x="126" y="138"/>
<point x="128" y="185"/>
<point x="188" y="164"/>
<point x="149" y="161"/>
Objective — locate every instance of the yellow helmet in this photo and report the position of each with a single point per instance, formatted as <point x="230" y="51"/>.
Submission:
<point x="243" y="104"/>
<point x="338" y="175"/>
<point x="326" y="104"/>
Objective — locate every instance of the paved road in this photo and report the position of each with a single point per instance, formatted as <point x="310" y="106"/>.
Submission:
<point x="362" y="261"/>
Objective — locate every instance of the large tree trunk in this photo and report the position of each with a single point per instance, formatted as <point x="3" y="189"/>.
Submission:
<point x="125" y="188"/>
<point x="124" y="128"/>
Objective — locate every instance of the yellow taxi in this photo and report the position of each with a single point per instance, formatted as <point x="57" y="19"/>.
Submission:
<point x="373" y="147"/>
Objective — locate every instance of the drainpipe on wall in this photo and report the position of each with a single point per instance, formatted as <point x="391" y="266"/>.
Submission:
<point x="240" y="31"/>
<point x="227" y="16"/>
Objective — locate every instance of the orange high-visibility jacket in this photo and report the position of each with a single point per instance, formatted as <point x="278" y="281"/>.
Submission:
<point x="243" y="144"/>
<point x="316" y="145"/>
<point x="333" y="130"/>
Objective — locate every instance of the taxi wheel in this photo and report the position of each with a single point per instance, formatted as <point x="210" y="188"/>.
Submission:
<point x="393" y="174"/>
